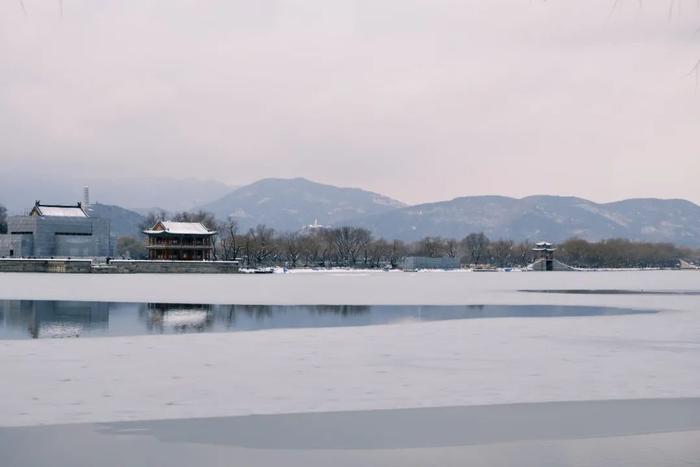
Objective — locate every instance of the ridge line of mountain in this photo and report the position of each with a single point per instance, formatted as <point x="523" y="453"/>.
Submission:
<point x="291" y="204"/>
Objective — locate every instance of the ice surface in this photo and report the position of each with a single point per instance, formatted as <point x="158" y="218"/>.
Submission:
<point x="345" y="287"/>
<point x="639" y="433"/>
<point x="431" y="364"/>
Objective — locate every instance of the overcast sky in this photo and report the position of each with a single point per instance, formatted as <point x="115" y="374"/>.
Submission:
<point x="421" y="100"/>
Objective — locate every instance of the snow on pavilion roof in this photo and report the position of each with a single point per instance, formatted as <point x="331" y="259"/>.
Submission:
<point x="180" y="228"/>
<point x="544" y="246"/>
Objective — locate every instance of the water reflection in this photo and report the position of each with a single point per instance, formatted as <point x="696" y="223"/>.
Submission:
<point x="52" y="318"/>
<point x="163" y="317"/>
<point x="24" y="319"/>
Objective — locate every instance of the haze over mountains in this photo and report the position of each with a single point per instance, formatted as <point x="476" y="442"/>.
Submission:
<point x="19" y="191"/>
<point x="290" y="204"/>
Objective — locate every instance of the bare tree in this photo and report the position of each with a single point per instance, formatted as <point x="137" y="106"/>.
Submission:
<point x="452" y="247"/>
<point x="523" y="254"/>
<point x="292" y="248"/>
<point x="230" y="241"/>
<point x="205" y="218"/>
<point x="314" y="249"/>
<point x="475" y="246"/>
<point x="398" y="253"/>
<point x="260" y="245"/>
<point x="377" y="253"/>
<point x="152" y="218"/>
<point x="501" y="252"/>
<point x="349" y="242"/>
<point x="434" y="247"/>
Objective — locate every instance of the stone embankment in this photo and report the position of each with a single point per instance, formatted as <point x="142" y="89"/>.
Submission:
<point x="117" y="266"/>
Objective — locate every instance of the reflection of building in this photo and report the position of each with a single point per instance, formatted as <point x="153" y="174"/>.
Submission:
<point x="56" y="230"/>
<point x="179" y="241"/>
<point x="50" y="319"/>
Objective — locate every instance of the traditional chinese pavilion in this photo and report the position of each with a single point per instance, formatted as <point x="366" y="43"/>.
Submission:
<point x="180" y="241"/>
<point x="545" y="250"/>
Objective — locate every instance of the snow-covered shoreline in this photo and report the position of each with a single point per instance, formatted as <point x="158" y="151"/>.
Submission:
<point x="337" y="287"/>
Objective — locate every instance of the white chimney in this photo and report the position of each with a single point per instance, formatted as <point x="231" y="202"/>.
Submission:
<point x="86" y="197"/>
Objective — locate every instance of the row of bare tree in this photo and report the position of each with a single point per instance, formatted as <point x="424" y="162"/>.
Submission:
<point x="357" y="247"/>
<point x="622" y="253"/>
<point x="341" y="246"/>
<point x="353" y="246"/>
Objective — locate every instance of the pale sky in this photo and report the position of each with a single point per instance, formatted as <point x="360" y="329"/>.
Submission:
<point x="421" y="100"/>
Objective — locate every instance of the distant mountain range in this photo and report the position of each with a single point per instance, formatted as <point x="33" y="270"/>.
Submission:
<point x="290" y="204"/>
<point x="552" y="218"/>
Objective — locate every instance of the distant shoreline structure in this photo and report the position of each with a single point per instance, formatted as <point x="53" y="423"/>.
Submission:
<point x="115" y="266"/>
<point x="122" y="266"/>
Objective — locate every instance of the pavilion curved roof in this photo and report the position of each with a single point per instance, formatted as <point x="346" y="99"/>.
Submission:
<point x="179" y="228"/>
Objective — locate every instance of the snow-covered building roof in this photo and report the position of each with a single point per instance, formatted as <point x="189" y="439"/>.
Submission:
<point x="57" y="210"/>
<point x="179" y="228"/>
<point x="544" y="246"/>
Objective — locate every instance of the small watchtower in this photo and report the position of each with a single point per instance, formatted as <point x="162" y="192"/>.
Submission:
<point x="545" y="252"/>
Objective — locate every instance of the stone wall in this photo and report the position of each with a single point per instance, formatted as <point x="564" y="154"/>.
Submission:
<point x="125" y="266"/>
<point x="46" y="265"/>
<point x="118" y="266"/>
<point x="540" y="265"/>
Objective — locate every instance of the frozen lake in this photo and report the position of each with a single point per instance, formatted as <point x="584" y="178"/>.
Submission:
<point x="381" y="346"/>
<point x="357" y="288"/>
<point x="633" y="433"/>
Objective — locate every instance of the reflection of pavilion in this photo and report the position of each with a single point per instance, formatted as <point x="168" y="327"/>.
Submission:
<point x="178" y="317"/>
<point x="44" y="319"/>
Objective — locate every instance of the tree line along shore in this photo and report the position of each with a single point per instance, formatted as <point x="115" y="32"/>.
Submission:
<point x="357" y="247"/>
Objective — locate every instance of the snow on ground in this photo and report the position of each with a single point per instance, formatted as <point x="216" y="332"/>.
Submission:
<point x="447" y="363"/>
